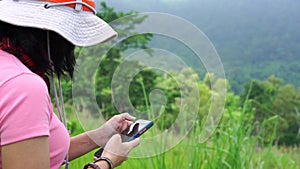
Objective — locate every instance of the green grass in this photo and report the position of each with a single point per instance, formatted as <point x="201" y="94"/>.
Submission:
<point x="237" y="143"/>
<point x="204" y="156"/>
<point x="233" y="145"/>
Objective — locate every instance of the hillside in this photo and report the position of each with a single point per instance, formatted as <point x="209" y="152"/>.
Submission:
<point x="254" y="39"/>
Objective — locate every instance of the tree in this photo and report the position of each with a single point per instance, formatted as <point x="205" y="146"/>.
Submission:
<point x="271" y="98"/>
<point x="93" y="80"/>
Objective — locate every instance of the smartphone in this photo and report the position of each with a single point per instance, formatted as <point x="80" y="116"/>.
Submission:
<point x="134" y="131"/>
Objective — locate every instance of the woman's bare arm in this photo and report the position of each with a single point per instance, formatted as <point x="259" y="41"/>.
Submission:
<point x="80" y="145"/>
<point x="28" y="154"/>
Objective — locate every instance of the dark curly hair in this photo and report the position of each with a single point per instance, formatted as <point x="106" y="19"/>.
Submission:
<point x="34" y="44"/>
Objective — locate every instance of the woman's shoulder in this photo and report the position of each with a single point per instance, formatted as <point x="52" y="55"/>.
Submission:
<point x="11" y="67"/>
<point x="23" y="92"/>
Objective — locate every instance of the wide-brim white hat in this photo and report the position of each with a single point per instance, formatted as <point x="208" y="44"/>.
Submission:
<point x="81" y="28"/>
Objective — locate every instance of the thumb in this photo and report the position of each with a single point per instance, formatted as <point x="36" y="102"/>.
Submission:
<point x="116" y="138"/>
<point x="133" y="143"/>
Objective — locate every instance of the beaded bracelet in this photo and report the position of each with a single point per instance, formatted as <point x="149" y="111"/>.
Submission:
<point x="109" y="162"/>
<point x="92" y="165"/>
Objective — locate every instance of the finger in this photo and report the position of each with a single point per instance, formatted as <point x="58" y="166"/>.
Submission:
<point x="129" y="123"/>
<point x="117" y="137"/>
<point x="133" y="143"/>
<point x="126" y="125"/>
<point x="127" y="116"/>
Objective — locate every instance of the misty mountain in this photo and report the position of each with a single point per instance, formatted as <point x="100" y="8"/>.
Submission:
<point x="254" y="38"/>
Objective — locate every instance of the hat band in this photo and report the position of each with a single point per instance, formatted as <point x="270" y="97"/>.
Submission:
<point x="78" y="5"/>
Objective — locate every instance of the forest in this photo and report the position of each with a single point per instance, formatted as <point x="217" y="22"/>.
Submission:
<point x="259" y="125"/>
<point x="254" y="38"/>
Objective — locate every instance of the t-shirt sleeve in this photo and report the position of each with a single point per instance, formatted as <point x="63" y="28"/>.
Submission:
<point x="25" y="109"/>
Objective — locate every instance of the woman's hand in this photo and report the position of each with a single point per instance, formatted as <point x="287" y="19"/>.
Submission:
<point x="114" y="125"/>
<point x="117" y="151"/>
<point x="119" y="122"/>
<point x="93" y="139"/>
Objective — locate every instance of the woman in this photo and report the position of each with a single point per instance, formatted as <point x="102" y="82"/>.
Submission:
<point x="37" y="39"/>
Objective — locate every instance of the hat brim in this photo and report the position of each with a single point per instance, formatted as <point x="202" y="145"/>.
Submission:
<point x="81" y="28"/>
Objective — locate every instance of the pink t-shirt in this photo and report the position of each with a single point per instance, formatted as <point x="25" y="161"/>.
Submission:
<point x="26" y="110"/>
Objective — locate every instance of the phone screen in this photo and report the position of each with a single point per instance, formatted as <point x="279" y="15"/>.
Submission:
<point x="136" y="129"/>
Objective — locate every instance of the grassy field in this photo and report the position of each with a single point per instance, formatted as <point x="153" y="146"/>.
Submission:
<point x="237" y="143"/>
<point x="233" y="145"/>
<point x="204" y="156"/>
<point x="181" y="158"/>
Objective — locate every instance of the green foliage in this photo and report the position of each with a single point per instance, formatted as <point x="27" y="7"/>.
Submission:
<point x="265" y="115"/>
<point x="100" y="76"/>
<point x="111" y="61"/>
<point x="233" y="145"/>
<point x="267" y="98"/>
<point x="74" y="127"/>
<point x="122" y="81"/>
<point x="272" y="98"/>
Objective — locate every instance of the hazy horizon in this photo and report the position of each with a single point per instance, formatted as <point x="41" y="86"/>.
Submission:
<point x="263" y="35"/>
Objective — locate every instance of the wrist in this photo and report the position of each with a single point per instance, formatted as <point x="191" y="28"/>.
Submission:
<point x="99" y="136"/>
<point x="91" y="165"/>
<point x="104" y="163"/>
